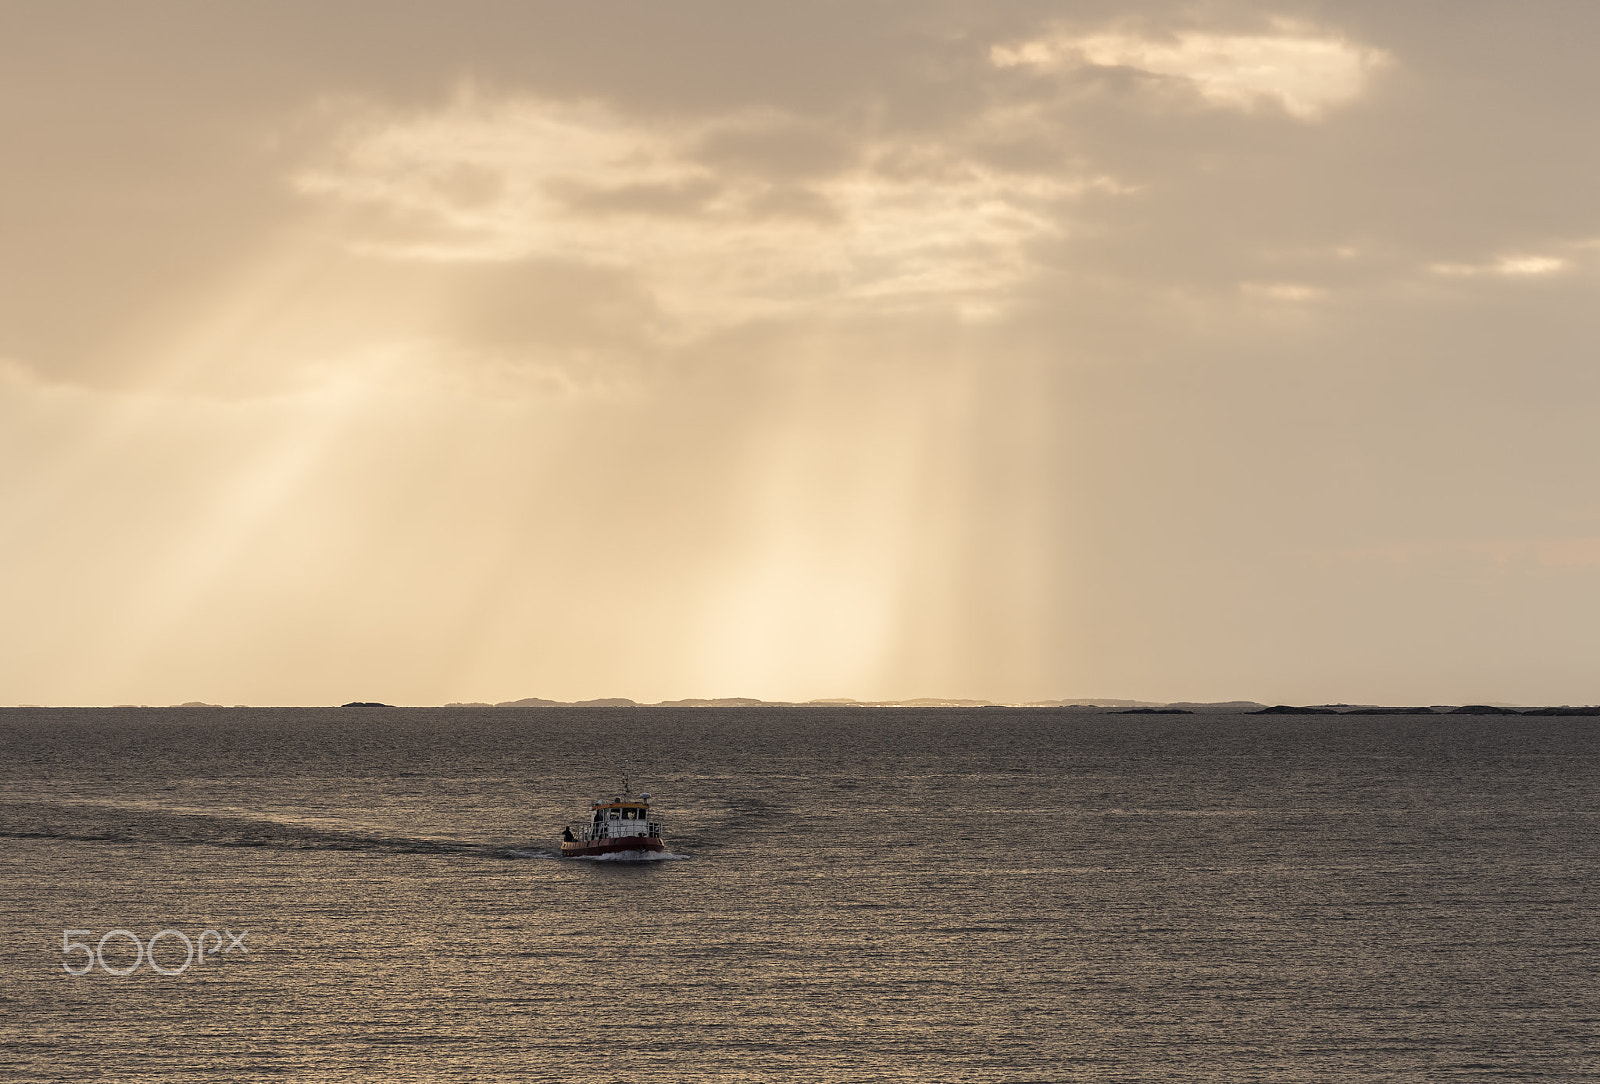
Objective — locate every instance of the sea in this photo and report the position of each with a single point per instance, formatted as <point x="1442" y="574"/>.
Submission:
<point x="849" y="894"/>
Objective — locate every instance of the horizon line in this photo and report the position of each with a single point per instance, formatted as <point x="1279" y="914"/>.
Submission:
<point x="1086" y="703"/>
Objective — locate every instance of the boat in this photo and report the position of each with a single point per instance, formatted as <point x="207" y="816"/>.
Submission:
<point x="620" y="826"/>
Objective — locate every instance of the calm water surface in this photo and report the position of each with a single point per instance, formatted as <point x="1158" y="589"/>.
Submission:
<point x="864" y="895"/>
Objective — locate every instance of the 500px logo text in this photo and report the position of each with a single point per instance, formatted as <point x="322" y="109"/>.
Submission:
<point x="209" y="943"/>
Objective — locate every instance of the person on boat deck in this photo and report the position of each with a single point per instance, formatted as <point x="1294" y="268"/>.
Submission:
<point x="566" y="834"/>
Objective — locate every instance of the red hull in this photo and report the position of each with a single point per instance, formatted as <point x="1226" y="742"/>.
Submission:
<point x="588" y="848"/>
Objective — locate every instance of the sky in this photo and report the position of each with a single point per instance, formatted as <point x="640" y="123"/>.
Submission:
<point x="1017" y="351"/>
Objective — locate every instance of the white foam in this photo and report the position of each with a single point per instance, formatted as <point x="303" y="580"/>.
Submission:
<point x="632" y="856"/>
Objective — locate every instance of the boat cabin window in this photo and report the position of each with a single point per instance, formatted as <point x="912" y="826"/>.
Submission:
<point x="627" y="814"/>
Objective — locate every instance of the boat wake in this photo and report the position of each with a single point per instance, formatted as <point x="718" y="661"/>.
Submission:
<point x="630" y="856"/>
<point x="149" y="823"/>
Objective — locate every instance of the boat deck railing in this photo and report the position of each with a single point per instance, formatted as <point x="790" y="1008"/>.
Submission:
<point x="602" y="831"/>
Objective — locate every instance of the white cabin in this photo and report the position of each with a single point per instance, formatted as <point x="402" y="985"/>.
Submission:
<point x="618" y="818"/>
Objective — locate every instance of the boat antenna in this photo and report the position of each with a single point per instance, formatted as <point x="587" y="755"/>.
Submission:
<point x="625" y="789"/>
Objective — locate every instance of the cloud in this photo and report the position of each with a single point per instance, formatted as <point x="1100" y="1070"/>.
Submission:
<point x="723" y="218"/>
<point x="1304" y="73"/>
<point x="1505" y="267"/>
<point x="1284" y="291"/>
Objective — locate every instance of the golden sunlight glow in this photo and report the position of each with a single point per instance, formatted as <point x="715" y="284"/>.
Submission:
<point x="972" y="351"/>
